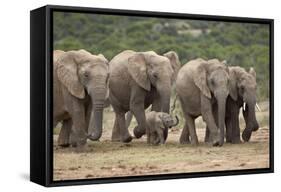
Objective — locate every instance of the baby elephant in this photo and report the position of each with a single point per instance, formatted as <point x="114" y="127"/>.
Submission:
<point x="157" y="123"/>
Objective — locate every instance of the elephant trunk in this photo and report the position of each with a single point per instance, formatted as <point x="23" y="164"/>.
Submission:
<point x="221" y="116"/>
<point x="250" y="120"/>
<point x="176" y="122"/>
<point x="165" y="94"/>
<point x="95" y="123"/>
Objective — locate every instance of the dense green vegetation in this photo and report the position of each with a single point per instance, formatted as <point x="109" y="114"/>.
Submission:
<point x="240" y="44"/>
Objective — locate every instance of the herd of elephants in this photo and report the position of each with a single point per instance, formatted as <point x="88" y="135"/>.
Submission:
<point x="84" y="84"/>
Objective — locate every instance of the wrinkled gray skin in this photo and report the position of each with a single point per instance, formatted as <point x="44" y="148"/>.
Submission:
<point x="202" y="87"/>
<point x="157" y="123"/>
<point x="137" y="80"/>
<point x="243" y="85"/>
<point x="80" y="88"/>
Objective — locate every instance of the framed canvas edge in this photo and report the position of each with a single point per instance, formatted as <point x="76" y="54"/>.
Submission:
<point x="48" y="181"/>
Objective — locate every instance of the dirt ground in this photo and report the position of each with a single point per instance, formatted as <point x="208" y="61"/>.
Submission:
<point x="109" y="159"/>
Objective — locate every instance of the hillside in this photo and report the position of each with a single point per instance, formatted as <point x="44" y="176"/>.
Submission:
<point x="240" y="44"/>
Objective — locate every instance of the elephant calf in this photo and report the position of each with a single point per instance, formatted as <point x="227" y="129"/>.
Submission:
<point x="157" y="123"/>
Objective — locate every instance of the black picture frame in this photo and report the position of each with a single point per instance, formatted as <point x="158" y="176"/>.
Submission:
<point x="41" y="130"/>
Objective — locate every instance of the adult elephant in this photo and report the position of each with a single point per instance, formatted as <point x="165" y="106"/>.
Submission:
<point x="80" y="87"/>
<point x="176" y="64"/>
<point x="202" y="87"/>
<point x="137" y="80"/>
<point x="243" y="86"/>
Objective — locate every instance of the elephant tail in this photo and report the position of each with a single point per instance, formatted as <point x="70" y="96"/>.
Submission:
<point x="173" y="107"/>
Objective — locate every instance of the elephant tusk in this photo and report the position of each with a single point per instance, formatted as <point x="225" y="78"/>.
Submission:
<point x="258" y="107"/>
<point x="244" y="106"/>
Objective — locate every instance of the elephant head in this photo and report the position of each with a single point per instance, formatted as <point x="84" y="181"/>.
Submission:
<point x="160" y="122"/>
<point x="152" y="71"/>
<point x="85" y="74"/>
<point x="163" y="121"/>
<point x="212" y="78"/>
<point x="168" y="121"/>
<point x="243" y="88"/>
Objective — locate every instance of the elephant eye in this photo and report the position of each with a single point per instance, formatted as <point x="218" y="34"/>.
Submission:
<point x="213" y="82"/>
<point x="85" y="75"/>
<point x="155" y="75"/>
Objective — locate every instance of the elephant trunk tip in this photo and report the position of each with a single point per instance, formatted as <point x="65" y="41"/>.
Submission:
<point x="94" y="136"/>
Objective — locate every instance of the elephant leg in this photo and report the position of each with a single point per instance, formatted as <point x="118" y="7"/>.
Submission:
<point x="140" y="117"/>
<point x="232" y="122"/>
<point x="137" y="108"/>
<point x="124" y="133"/>
<point x="208" y="117"/>
<point x="160" y="135"/>
<point x="139" y="132"/>
<point x="228" y="127"/>
<point x="191" y="129"/>
<point x="115" y="131"/>
<point x="129" y="117"/>
<point x="78" y="133"/>
<point x="64" y="134"/>
<point x="184" y="138"/>
<point x="235" y="137"/>
<point x="207" y="135"/>
<point x="207" y="132"/>
<point x="152" y="139"/>
<point x="156" y="139"/>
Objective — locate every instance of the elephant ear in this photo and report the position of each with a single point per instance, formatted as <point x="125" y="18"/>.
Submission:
<point x="174" y="60"/>
<point x="159" y="121"/>
<point x="233" y="85"/>
<point x="68" y="76"/>
<point x="253" y="72"/>
<point x="200" y="80"/>
<point x="138" y="70"/>
<point x="102" y="57"/>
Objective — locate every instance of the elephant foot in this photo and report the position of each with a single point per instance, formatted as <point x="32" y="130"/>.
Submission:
<point x="138" y="134"/>
<point x="246" y="135"/>
<point x="227" y="140"/>
<point x="80" y="143"/>
<point x="127" y="139"/>
<point x="115" y="139"/>
<point x="80" y="148"/>
<point x="92" y="138"/>
<point x="63" y="142"/>
<point x="236" y="141"/>
<point x="216" y="144"/>
<point x="194" y="142"/>
<point x="215" y="139"/>
<point x="184" y="142"/>
<point x="64" y="145"/>
<point x="184" y="139"/>
<point x="207" y="140"/>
